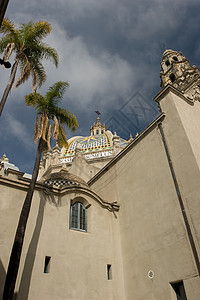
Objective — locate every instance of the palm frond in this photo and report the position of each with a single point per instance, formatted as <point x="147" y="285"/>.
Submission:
<point x="7" y="27"/>
<point x="56" y="128"/>
<point x="49" y="137"/>
<point x="55" y="92"/>
<point x="3" y="43"/>
<point x="25" y="73"/>
<point x="44" y="129"/>
<point x="38" y="69"/>
<point x="41" y="124"/>
<point x="67" y="117"/>
<point x="40" y="30"/>
<point x="50" y="53"/>
<point x="24" y="32"/>
<point x="7" y="51"/>
<point x="62" y="139"/>
<point x="35" y="82"/>
<point x="34" y="99"/>
<point x="36" y="129"/>
<point x="9" y="32"/>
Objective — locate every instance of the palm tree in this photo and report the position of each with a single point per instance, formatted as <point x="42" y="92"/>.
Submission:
<point x="29" y="50"/>
<point x="48" y="113"/>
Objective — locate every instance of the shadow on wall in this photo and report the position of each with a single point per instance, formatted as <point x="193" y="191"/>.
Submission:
<point x="31" y="253"/>
<point x="2" y="278"/>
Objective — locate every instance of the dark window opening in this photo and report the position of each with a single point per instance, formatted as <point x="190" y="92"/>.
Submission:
<point x="78" y="217"/>
<point x="47" y="264"/>
<point x="109" y="272"/>
<point x="102" y="131"/>
<point x="179" y="290"/>
<point x="167" y="63"/>
<point x="175" y="58"/>
<point x="97" y="131"/>
<point x="172" y="77"/>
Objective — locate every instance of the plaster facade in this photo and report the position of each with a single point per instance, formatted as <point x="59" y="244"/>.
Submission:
<point x="142" y="239"/>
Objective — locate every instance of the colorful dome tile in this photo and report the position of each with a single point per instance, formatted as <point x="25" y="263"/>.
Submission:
<point x="90" y="144"/>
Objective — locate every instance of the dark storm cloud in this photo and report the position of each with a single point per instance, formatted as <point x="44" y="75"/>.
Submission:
<point x="110" y="53"/>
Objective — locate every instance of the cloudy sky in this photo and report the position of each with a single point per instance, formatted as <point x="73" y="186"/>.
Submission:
<point x="110" y="52"/>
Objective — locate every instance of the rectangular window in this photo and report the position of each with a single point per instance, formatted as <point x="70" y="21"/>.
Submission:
<point x="179" y="290"/>
<point x="109" y="272"/>
<point x="47" y="264"/>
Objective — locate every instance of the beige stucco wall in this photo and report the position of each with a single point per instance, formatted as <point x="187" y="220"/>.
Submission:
<point x="152" y="230"/>
<point x="78" y="269"/>
<point x="148" y="232"/>
<point x="181" y="127"/>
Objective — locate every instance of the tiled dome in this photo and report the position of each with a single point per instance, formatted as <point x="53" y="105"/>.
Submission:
<point x="93" y="143"/>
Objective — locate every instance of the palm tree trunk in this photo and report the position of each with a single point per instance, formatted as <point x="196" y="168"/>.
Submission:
<point x="3" y="7"/>
<point x="9" y="85"/>
<point x="20" y="232"/>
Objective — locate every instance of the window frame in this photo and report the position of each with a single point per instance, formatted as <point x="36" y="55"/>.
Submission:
<point x="84" y="209"/>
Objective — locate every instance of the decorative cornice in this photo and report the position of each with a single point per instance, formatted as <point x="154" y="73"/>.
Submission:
<point x="170" y="88"/>
<point x="23" y="184"/>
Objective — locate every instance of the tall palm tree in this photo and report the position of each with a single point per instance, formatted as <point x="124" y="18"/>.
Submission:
<point x="29" y="52"/>
<point x="48" y="113"/>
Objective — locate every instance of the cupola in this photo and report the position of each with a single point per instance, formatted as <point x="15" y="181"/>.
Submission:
<point x="97" y="128"/>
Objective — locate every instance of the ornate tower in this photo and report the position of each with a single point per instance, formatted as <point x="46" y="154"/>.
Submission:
<point x="176" y="70"/>
<point x="98" y="128"/>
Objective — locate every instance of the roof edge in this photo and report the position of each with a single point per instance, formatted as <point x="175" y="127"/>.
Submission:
<point x="169" y="88"/>
<point x="126" y="149"/>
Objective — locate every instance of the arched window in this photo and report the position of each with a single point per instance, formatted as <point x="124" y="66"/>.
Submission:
<point x="172" y="77"/>
<point x="175" y="58"/>
<point x="167" y="63"/>
<point x="78" y="217"/>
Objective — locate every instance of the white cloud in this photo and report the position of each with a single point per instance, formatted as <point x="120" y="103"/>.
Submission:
<point x="15" y="129"/>
<point x="89" y="74"/>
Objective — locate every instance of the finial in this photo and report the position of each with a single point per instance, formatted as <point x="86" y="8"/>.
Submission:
<point x="4" y="158"/>
<point x="130" y="138"/>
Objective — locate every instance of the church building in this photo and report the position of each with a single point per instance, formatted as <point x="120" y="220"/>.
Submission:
<point x="114" y="219"/>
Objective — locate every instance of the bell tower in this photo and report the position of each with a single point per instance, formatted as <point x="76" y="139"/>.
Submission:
<point x="176" y="70"/>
